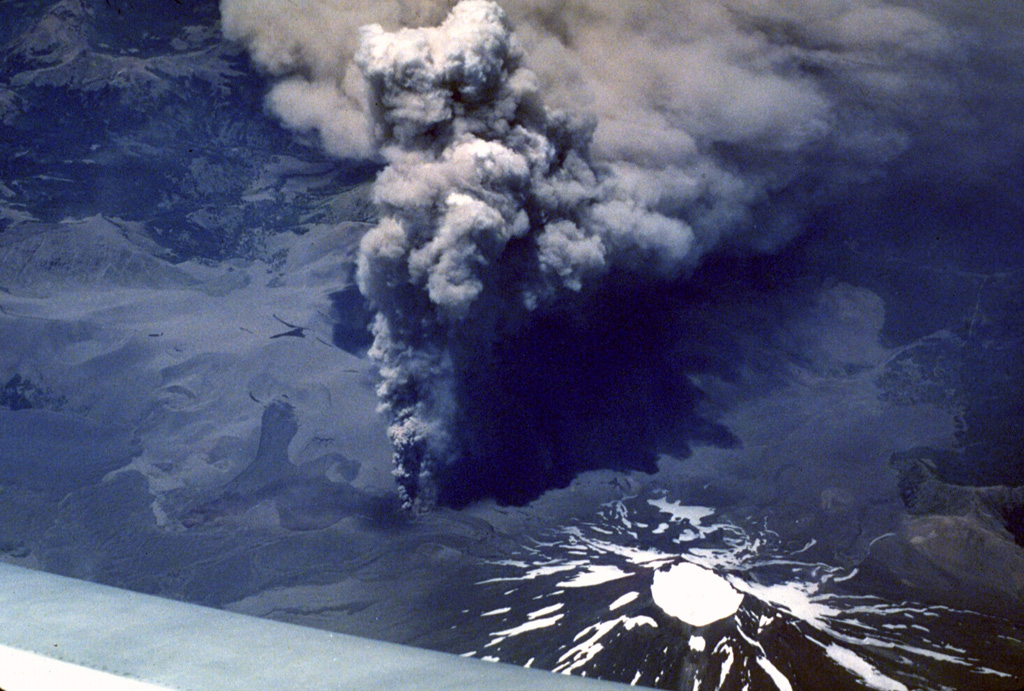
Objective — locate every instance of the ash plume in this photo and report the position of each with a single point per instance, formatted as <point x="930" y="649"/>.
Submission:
<point x="545" y="186"/>
<point x="491" y="210"/>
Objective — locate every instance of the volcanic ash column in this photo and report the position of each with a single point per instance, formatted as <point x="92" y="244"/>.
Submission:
<point x="490" y="211"/>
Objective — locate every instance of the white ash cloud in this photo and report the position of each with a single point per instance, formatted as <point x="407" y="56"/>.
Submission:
<point x="529" y="155"/>
<point x="672" y="86"/>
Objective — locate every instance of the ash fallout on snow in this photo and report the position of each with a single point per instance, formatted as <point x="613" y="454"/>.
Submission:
<point x="552" y="174"/>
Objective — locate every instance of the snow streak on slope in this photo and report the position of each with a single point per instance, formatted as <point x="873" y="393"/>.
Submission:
<point x="710" y="603"/>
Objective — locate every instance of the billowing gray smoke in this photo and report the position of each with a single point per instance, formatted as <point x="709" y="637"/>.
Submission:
<point x="535" y="178"/>
<point x="491" y="209"/>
